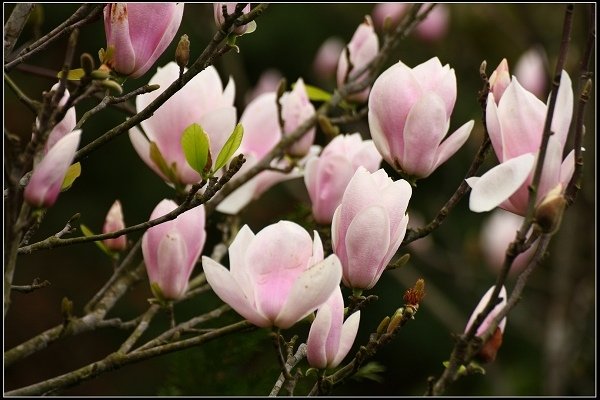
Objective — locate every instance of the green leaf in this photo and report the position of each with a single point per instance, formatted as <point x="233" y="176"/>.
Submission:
<point x="370" y="371"/>
<point x="196" y="148"/>
<point x="230" y="147"/>
<point x="72" y="173"/>
<point x="87" y="232"/>
<point x="316" y="94"/>
<point x="73" y="74"/>
<point x="161" y="163"/>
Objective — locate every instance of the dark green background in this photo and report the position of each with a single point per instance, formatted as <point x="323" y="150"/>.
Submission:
<point x="559" y="300"/>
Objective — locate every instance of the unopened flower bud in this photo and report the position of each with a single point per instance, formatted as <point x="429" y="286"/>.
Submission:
<point x="87" y="63"/>
<point x="548" y="214"/>
<point x="114" y="222"/>
<point x="488" y="351"/>
<point x="182" y="54"/>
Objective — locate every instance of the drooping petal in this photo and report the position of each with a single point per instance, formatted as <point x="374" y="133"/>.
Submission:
<point x="499" y="183"/>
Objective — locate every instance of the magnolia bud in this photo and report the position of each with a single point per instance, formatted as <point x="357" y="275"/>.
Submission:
<point x="182" y="54"/>
<point x="114" y="222"/>
<point x="87" y="63"/>
<point x="548" y="214"/>
<point x="488" y="351"/>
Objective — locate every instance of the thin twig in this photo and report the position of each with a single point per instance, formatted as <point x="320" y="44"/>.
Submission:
<point x="36" y="284"/>
<point x="140" y="329"/>
<point x="34" y="106"/>
<point x="85" y="14"/>
<point x="291" y="362"/>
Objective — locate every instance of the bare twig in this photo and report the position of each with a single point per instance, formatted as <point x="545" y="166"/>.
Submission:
<point x="34" y="106"/>
<point x="291" y="362"/>
<point x="36" y="284"/>
<point x="85" y="14"/>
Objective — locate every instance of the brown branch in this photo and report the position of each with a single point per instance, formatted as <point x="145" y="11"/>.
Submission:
<point x="36" y="284"/>
<point x="14" y="25"/>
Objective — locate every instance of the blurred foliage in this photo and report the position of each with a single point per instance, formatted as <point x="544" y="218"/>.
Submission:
<point x="559" y="300"/>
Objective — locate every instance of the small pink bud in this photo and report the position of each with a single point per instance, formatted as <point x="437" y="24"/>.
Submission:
<point x="296" y="108"/>
<point x="328" y="55"/>
<point x="490" y="348"/>
<point x="499" y="80"/>
<point x="531" y="71"/>
<point x="114" y="222"/>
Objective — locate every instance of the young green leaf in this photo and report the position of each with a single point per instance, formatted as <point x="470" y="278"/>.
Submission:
<point x="316" y="94"/>
<point x="87" y="232"/>
<point x="230" y="147"/>
<point x="72" y="173"/>
<point x="73" y="74"/>
<point x="161" y="163"/>
<point x="196" y="147"/>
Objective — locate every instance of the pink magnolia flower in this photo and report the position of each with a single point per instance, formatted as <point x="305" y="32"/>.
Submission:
<point x="516" y="125"/>
<point x="362" y="49"/>
<point x="139" y="34"/>
<point x="172" y="248"/>
<point x="203" y="101"/>
<point x="220" y="18"/>
<point x="330" y="338"/>
<point x="409" y="116"/>
<point x="328" y="175"/>
<point x="369" y="226"/>
<point x="261" y="134"/>
<point x="296" y="108"/>
<point x="114" y="222"/>
<point x="499" y="80"/>
<point x="47" y="177"/>
<point x="276" y="277"/>
<point x="326" y="60"/>
<point x="498" y="232"/>
<point x="432" y="28"/>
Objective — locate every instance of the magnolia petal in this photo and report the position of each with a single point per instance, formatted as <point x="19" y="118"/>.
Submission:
<point x="311" y="289"/>
<point x="367" y="242"/>
<point x="173" y="274"/>
<point x="499" y="183"/>
<point x="316" y="353"/>
<point x="349" y="331"/>
<point x="228" y="290"/>
<point x="563" y="110"/>
<point x="567" y="168"/>
<point x="452" y="144"/>
<point x="423" y="133"/>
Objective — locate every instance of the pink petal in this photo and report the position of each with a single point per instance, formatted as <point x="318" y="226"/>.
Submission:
<point x="424" y="130"/>
<point x="567" y="168"/>
<point x="311" y="289"/>
<point x="563" y="110"/>
<point x="228" y="290"/>
<point x="347" y="337"/>
<point x="316" y="353"/>
<point x="118" y="36"/>
<point x="452" y="143"/>
<point x="142" y="147"/>
<point x="172" y="264"/>
<point x="367" y="242"/>
<point x="493" y="127"/>
<point x="261" y="125"/>
<point x="499" y="183"/>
